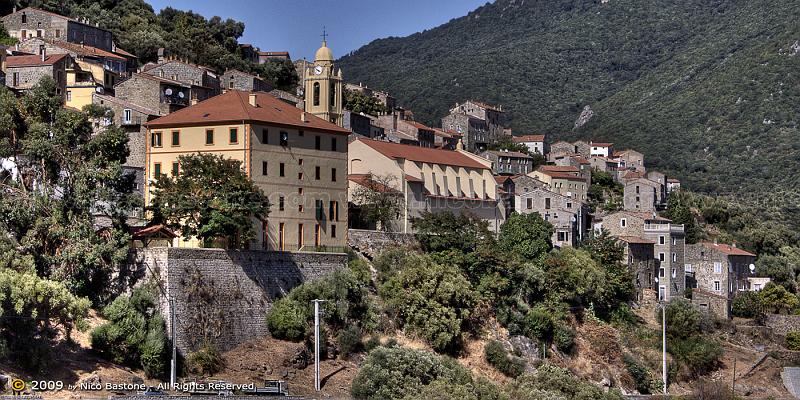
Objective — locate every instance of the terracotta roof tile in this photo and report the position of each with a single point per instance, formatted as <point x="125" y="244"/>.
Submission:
<point x="647" y="216"/>
<point x="508" y="154"/>
<point x="33" y="60"/>
<point x="528" y="138"/>
<point x="727" y="249"/>
<point x="366" y="181"/>
<point x="85" y="50"/>
<point x="601" y="144"/>
<point x="423" y="154"/>
<point x="559" y="168"/>
<point x="125" y="103"/>
<point x="234" y="106"/>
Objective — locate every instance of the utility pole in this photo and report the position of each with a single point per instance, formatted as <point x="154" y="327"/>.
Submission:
<point x="173" y="373"/>
<point x="316" y="344"/>
<point x="664" y="345"/>
<point x="733" y="385"/>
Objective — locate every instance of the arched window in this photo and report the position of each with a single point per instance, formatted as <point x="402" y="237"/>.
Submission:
<point x="332" y="102"/>
<point x="316" y="93"/>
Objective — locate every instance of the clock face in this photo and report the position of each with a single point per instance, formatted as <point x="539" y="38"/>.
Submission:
<point x="318" y="69"/>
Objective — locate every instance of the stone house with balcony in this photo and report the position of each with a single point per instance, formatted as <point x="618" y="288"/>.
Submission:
<point x="431" y="179"/>
<point x="203" y="82"/>
<point x="534" y="143"/>
<point x="719" y="268"/>
<point x="154" y="93"/>
<point x="642" y="194"/>
<point x="479" y="124"/>
<point x="506" y="162"/>
<point x="668" y="248"/>
<point x="23" y="72"/>
<point x="35" y="23"/>
<point x="569" y="217"/>
<point x="673" y="184"/>
<point x="639" y="256"/>
<point x="630" y="160"/>
<point x="566" y="181"/>
<point x="233" y="79"/>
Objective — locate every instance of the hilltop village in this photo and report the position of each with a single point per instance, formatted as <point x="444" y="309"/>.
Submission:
<point x="346" y="168"/>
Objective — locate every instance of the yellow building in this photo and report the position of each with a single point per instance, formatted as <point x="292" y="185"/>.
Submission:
<point x="297" y="159"/>
<point x="323" y="87"/>
<point x="428" y="180"/>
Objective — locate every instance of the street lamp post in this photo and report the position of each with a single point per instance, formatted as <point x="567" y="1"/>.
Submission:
<point x="662" y="304"/>
<point x="316" y="344"/>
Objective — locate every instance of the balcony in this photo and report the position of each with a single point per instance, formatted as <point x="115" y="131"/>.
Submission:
<point x="133" y="120"/>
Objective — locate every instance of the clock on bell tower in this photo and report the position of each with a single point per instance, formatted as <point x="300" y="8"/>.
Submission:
<point x="323" y="86"/>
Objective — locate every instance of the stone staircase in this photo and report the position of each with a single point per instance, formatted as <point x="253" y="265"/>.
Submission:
<point x="791" y="380"/>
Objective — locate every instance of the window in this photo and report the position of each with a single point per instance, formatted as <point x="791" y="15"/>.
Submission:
<point x="300" y="176"/>
<point x="333" y="144"/>
<point x="156" y="170"/>
<point x="175" y="169"/>
<point x="316" y="93"/>
<point x="674" y="257"/>
<point x="300" y="191"/>
<point x="281" y="203"/>
<point x="569" y="205"/>
<point x="281" y="170"/>
<point x="661" y="257"/>
<point x="333" y="231"/>
<point x="674" y="241"/>
<point x="299" y="236"/>
<point x="333" y="211"/>
<point x="316" y="172"/>
<point x="717" y="267"/>
<point x="688" y="267"/>
<point x="317" y="143"/>
<point x="210" y="137"/>
<point x="333" y="174"/>
<point x="58" y="33"/>
<point x="69" y="97"/>
<point x="155" y="139"/>
<point x="24" y="18"/>
<point x="301" y="133"/>
<point x="284" y="138"/>
<point x="15" y="79"/>
<point x="300" y="208"/>
<point x="281" y="235"/>
<point x="264" y="168"/>
<point x="230" y="83"/>
<point x="317" y="235"/>
<point x="234" y="136"/>
<point x="623" y="222"/>
<point x="716" y="286"/>
<point x="661" y="272"/>
<point x="265" y="136"/>
<point x="320" y="210"/>
<point x="126" y="113"/>
<point x="562" y="236"/>
<point x="546" y="203"/>
<point x="637" y="190"/>
<point x="661" y="240"/>
<point x="529" y="203"/>
<point x="176" y="138"/>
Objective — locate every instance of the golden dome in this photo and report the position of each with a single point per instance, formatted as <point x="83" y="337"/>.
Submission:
<point x="324" y="53"/>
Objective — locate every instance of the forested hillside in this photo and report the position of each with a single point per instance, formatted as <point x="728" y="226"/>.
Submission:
<point x="709" y="90"/>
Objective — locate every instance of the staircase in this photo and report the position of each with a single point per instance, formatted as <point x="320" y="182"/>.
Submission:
<point x="791" y="380"/>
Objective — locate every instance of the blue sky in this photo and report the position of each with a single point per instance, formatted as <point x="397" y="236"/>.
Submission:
<point x="277" y="25"/>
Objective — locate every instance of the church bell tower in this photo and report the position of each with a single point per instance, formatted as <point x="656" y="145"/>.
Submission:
<point x="323" y="86"/>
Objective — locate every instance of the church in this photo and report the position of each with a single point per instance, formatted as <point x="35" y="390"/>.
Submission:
<point x="322" y="84"/>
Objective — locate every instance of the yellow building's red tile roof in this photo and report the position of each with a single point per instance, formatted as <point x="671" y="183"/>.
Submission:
<point x="234" y="105"/>
<point x="423" y="154"/>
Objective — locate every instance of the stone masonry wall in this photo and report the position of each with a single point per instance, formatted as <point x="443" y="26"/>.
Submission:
<point x="783" y="324"/>
<point x="223" y="296"/>
<point x="371" y="243"/>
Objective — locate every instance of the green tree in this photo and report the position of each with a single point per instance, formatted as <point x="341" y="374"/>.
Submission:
<point x="378" y="200"/>
<point x="358" y="102"/>
<point x="527" y="235"/>
<point x="778" y="269"/>
<point x="680" y="212"/>
<point x="776" y="299"/>
<point x="212" y="198"/>
<point x="440" y="231"/>
<point x="747" y="305"/>
<point x="434" y="301"/>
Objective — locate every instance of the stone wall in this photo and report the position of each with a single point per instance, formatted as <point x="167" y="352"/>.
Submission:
<point x="371" y="243"/>
<point x="711" y="302"/>
<point x="782" y="324"/>
<point x="223" y="296"/>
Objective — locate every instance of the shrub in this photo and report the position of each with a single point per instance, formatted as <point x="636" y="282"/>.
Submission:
<point x="205" y="361"/>
<point x="538" y="324"/>
<point x="699" y="354"/>
<point x="496" y="355"/>
<point x="747" y="305"/>
<point x="371" y="343"/>
<point x="640" y="374"/>
<point x="776" y="299"/>
<point x="349" y="340"/>
<point x="712" y="391"/>
<point x="155" y="349"/>
<point x="683" y="319"/>
<point x="564" y="337"/>
<point x="527" y="235"/>
<point x="551" y="382"/>
<point x="287" y="320"/>
<point x="793" y="340"/>
<point x="393" y="373"/>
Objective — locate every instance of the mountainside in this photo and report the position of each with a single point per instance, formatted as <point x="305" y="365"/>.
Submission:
<point x="709" y="90"/>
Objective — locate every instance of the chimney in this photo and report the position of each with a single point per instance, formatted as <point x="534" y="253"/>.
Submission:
<point x="193" y="101"/>
<point x="43" y="52"/>
<point x="252" y="100"/>
<point x="460" y="145"/>
<point x="733" y="245"/>
<point x="303" y="117"/>
<point x="14" y="9"/>
<point x="160" y="55"/>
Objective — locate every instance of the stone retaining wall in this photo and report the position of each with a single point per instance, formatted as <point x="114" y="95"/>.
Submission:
<point x="371" y="243"/>
<point x="782" y="324"/>
<point x="223" y="296"/>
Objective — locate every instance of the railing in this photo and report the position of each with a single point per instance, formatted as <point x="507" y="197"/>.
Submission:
<point x="134" y="120"/>
<point x="294" y="248"/>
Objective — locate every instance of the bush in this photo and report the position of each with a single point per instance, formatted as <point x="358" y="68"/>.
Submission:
<point x="287" y="320"/>
<point x="747" y="305"/>
<point x="538" y="324"/>
<point x="496" y="355"/>
<point x="700" y="355"/>
<point x="527" y="235"/>
<point x="712" y="391"/>
<point x="683" y="319"/>
<point x="776" y="299"/>
<point x="155" y="352"/>
<point x="371" y="343"/>
<point x="551" y="382"/>
<point x="793" y="340"/>
<point x="394" y="373"/>
<point x="564" y="337"/>
<point x="349" y="340"/>
<point x="205" y="361"/>
<point x="640" y="374"/>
